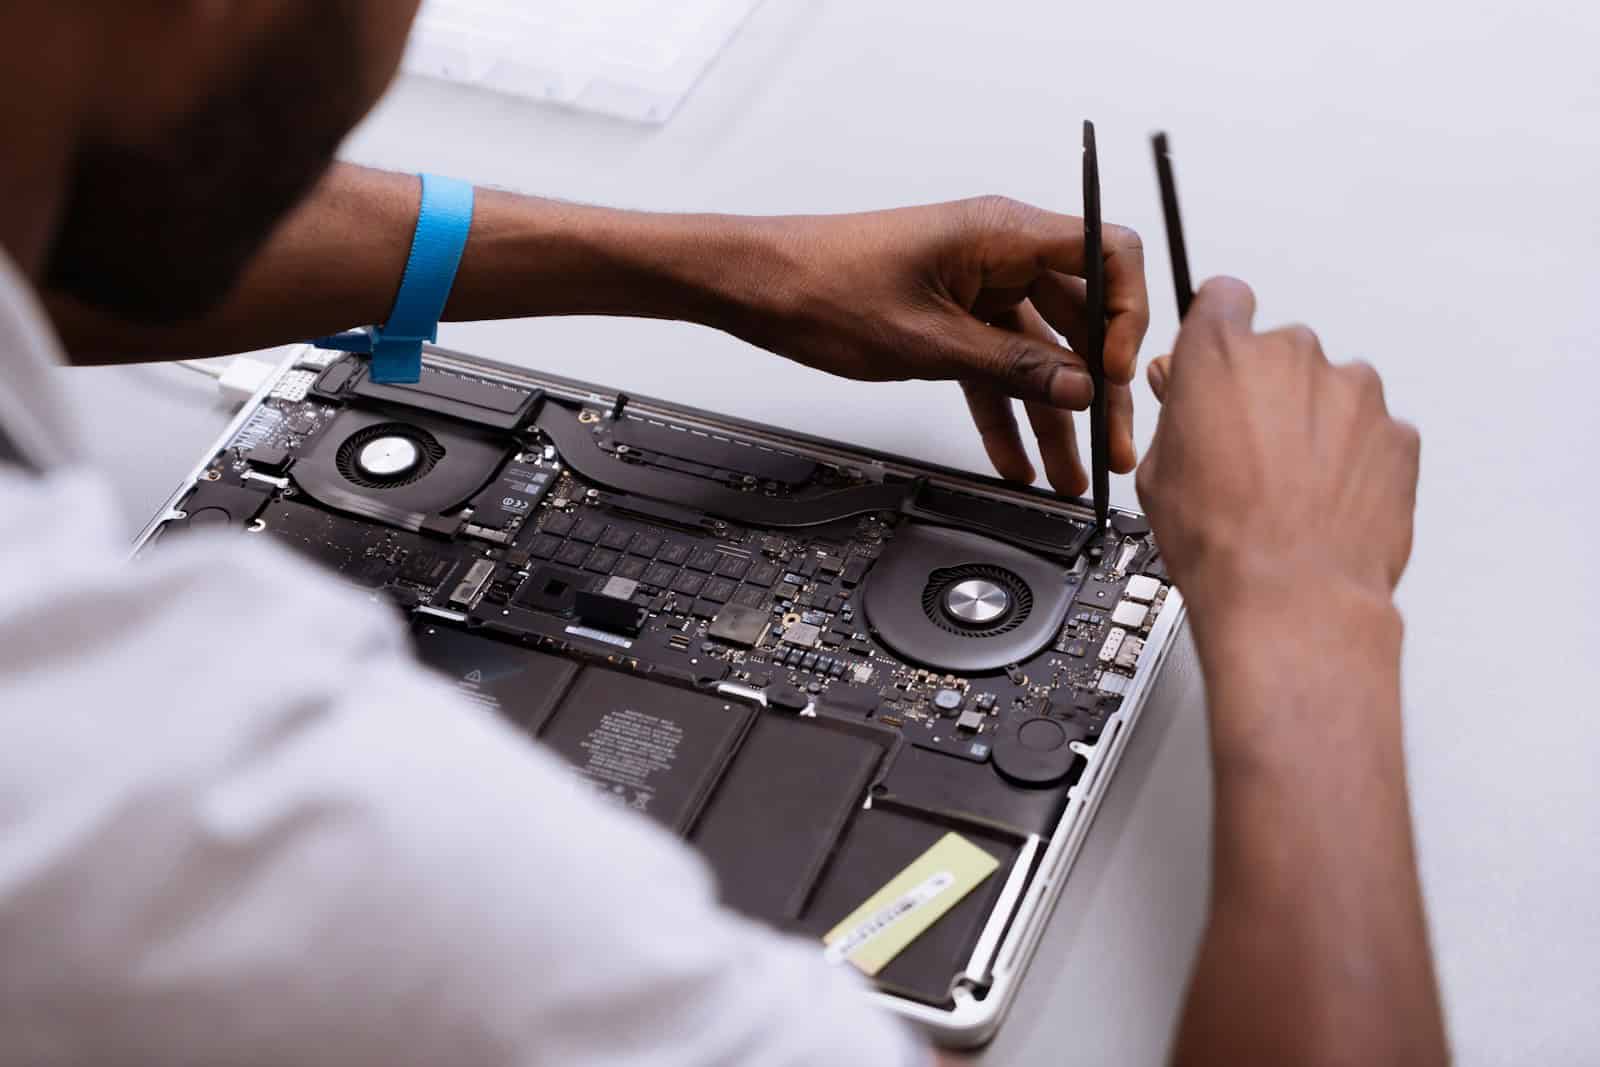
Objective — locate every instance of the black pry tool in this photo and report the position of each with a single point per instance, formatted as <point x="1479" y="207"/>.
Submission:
<point x="1177" y="252"/>
<point x="1094" y="354"/>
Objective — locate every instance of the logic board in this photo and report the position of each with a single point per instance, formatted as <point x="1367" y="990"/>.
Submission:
<point x="848" y="653"/>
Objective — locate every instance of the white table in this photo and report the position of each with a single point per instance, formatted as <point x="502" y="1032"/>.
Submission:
<point x="1418" y="184"/>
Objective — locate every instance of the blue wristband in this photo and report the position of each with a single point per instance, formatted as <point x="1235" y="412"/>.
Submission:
<point x="443" y="224"/>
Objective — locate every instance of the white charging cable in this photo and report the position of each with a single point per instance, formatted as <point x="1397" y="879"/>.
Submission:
<point x="237" y="380"/>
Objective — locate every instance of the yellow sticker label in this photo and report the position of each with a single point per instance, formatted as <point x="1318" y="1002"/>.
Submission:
<point x="914" y="899"/>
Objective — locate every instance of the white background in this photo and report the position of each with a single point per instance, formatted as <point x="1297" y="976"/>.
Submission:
<point x="1417" y="181"/>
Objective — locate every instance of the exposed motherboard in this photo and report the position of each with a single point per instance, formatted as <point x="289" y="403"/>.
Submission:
<point x="808" y="660"/>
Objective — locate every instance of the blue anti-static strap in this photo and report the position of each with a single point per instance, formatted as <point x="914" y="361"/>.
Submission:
<point x="442" y="228"/>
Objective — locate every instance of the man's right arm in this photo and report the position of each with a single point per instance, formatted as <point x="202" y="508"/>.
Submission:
<point x="1282" y="492"/>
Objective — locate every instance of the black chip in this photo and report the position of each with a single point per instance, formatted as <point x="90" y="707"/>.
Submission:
<point x="544" y="546"/>
<point x="688" y="583"/>
<point x="859" y="699"/>
<point x="704" y="560"/>
<point x="738" y="625"/>
<point x="425" y="568"/>
<point x="646" y="544"/>
<point x="616" y="537"/>
<point x="831" y="564"/>
<point x="589" y="530"/>
<point x="763" y="574"/>
<point x="808" y="566"/>
<point x="788" y="591"/>
<point x="1099" y="594"/>
<point x="631" y="567"/>
<point x="268" y="458"/>
<point x="515" y="558"/>
<point x="855" y="569"/>
<point x="705" y="609"/>
<point x="674" y="553"/>
<point x="659" y="575"/>
<point x="573" y="553"/>
<point x="552" y="589"/>
<point x="733" y="567"/>
<point x="835" y="602"/>
<point x="718" y="589"/>
<point x="559" y="524"/>
<point x="751" y="597"/>
<point x="653" y="748"/>
<point x="601" y="560"/>
<point x="1130" y="525"/>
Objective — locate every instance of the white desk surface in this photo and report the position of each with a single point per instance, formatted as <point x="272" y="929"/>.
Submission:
<point x="1416" y="181"/>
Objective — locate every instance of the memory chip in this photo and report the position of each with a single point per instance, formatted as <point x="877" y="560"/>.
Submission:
<point x="653" y="748"/>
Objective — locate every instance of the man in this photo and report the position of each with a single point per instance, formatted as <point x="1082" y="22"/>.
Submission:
<point x="336" y="862"/>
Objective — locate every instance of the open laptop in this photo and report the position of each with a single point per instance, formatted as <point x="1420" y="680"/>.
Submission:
<point x="811" y="661"/>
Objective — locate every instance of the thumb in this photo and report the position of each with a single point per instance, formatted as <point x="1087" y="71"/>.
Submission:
<point x="1222" y="306"/>
<point x="1018" y="365"/>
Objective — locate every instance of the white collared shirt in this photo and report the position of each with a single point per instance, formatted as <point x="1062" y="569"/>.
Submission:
<point x="239" y="825"/>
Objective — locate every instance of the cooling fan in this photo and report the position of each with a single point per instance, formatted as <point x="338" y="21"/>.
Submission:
<point x="958" y="602"/>
<point x="399" y="471"/>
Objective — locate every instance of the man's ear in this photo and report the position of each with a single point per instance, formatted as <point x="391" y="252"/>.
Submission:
<point x="159" y="59"/>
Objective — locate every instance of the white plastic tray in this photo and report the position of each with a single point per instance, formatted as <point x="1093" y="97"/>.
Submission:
<point x="635" y="59"/>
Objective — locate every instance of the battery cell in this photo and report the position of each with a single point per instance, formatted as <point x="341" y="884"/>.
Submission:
<point x="653" y="748"/>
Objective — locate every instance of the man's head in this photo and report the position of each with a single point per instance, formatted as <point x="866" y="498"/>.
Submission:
<point x="210" y="120"/>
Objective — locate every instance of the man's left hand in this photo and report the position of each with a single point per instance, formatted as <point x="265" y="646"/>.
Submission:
<point x="967" y="291"/>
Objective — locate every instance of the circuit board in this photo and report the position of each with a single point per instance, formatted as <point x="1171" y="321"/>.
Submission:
<point x="911" y="649"/>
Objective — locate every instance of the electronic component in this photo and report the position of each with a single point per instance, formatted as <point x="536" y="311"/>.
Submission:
<point x="618" y="615"/>
<point x="518" y="684"/>
<point x="963" y="647"/>
<point x="1128" y="655"/>
<point x="620" y="588"/>
<point x="1142" y="587"/>
<point x="803" y="634"/>
<point x="646" y="746"/>
<point x="738" y="625"/>
<point x="1114" y="639"/>
<point x="1037" y="751"/>
<point x="1114" y="683"/>
<point x="471" y="585"/>
<point x="1098" y="594"/>
<point x="1130" y="614"/>
<point x="512" y="498"/>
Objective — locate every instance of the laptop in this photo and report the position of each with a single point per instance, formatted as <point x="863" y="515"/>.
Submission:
<point x="811" y="661"/>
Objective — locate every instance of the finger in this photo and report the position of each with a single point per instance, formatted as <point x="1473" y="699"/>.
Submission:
<point x="1017" y="241"/>
<point x="1058" y="447"/>
<point x="1160" y="369"/>
<point x="1119" y="418"/>
<point x="1222" y="306"/>
<point x="1127" y="301"/>
<point x="1061" y="300"/>
<point x="1054" y="428"/>
<point x="1013" y="363"/>
<point x="997" y="427"/>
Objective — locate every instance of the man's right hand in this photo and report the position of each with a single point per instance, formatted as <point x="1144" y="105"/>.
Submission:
<point x="1281" y="492"/>
<point x="1274" y="476"/>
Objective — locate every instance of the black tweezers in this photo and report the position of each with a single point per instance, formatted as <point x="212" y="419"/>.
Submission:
<point x="1094" y="354"/>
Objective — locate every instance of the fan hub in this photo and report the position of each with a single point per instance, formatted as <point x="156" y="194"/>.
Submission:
<point x="388" y="456"/>
<point x="976" y="601"/>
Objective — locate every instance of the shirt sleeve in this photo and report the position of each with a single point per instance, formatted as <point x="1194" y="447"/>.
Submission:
<point x="239" y="825"/>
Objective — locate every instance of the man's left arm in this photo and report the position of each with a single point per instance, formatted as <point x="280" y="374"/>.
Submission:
<point x="974" y="291"/>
